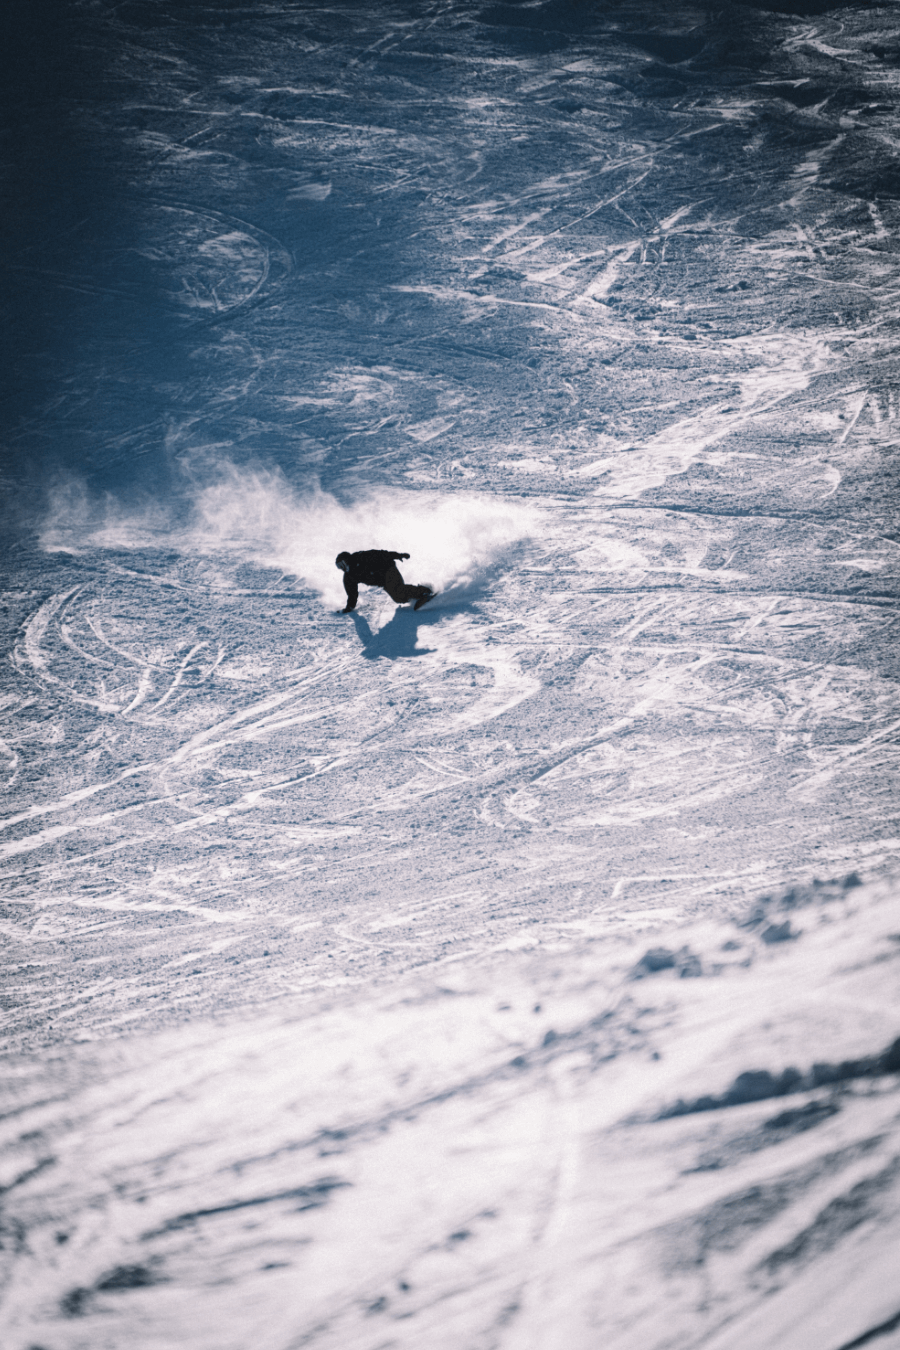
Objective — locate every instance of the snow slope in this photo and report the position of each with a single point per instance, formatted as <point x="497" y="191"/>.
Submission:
<point x="327" y="1016"/>
<point x="694" y="1142"/>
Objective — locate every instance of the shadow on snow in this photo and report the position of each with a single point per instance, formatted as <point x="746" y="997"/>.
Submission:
<point x="399" y="635"/>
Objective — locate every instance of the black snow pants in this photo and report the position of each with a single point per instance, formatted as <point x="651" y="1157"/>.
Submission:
<point x="398" y="589"/>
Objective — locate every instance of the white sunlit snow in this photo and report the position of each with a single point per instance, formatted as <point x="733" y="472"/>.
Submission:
<point x="520" y="972"/>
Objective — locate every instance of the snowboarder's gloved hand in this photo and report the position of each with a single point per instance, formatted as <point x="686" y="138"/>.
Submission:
<point x="403" y="555"/>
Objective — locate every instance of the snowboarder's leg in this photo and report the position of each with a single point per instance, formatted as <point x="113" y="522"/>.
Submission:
<point x="398" y="589"/>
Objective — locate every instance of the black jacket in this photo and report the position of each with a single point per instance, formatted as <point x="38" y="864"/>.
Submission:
<point x="370" y="566"/>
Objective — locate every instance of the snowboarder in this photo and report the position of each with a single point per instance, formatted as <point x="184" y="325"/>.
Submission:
<point x="378" y="567"/>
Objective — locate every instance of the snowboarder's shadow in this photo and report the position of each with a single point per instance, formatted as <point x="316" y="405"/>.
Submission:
<point x="398" y="636"/>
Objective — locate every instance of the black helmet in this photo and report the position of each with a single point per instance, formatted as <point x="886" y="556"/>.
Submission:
<point x="343" y="561"/>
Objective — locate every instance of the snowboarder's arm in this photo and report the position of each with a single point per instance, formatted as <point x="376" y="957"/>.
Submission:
<point x="352" y="594"/>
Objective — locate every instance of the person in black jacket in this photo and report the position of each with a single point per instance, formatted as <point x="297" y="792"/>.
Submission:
<point x="378" y="567"/>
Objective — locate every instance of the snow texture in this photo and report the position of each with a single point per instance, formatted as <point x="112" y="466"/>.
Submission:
<point x="520" y="972"/>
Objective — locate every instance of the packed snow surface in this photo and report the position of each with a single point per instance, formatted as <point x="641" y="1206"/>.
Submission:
<point x="520" y="972"/>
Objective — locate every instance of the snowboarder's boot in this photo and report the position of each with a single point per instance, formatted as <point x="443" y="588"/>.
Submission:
<point x="423" y="599"/>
